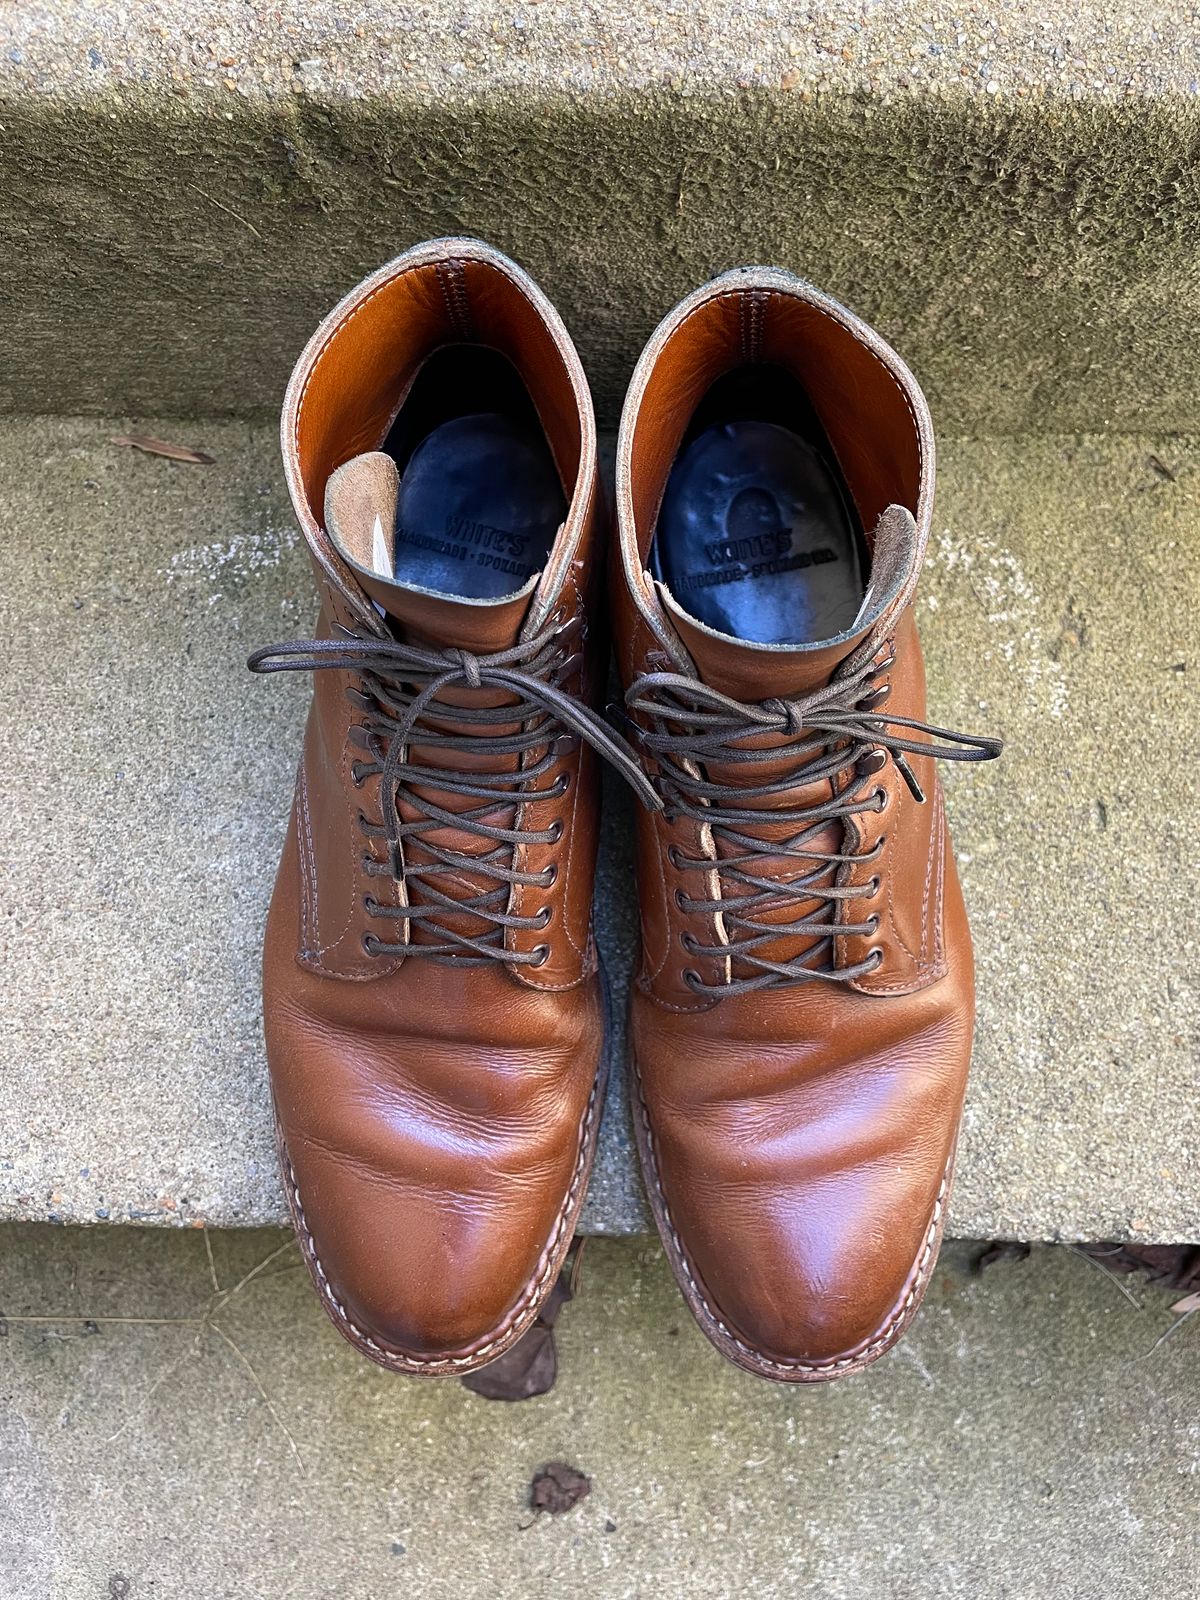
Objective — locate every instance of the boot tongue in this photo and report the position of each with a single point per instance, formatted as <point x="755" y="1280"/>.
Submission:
<point x="756" y="672"/>
<point x="361" y="502"/>
<point x="360" y="518"/>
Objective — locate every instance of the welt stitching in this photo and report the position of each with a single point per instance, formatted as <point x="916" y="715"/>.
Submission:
<point x="878" y="1344"/>
<point x="529" y="1300"/>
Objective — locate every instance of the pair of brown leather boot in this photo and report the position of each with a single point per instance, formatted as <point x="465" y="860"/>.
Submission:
<point x="435" y="1009"/>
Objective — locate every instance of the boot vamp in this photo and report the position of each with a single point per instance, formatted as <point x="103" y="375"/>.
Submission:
<point x="802" y="1139"/>
<point x="434" y="1121"/>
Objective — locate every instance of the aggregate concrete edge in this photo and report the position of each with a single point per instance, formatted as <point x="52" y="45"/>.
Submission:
<point x="453" y="48"/>
<point x="180" y="1423"/>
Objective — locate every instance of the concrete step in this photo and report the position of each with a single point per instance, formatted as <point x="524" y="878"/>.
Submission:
<point x="1035" y="1436"/>
<point x="185" y="191"/>
<point x="146" y="778"/>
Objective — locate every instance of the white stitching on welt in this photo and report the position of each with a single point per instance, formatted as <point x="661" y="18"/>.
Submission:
<point x="531" y="1295"/>
<point x="924" y="1263"/>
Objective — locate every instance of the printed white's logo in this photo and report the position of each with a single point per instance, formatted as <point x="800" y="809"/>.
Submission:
<point x="754" y="529"/>
<point x="757" y="545"/>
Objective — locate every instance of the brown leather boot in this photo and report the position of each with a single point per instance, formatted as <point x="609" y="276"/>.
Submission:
<point x="433" y="1005"/>
<point x="802" y="1019"/>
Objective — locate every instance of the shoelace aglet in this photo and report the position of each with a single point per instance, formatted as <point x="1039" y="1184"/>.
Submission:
<point x="909" y="776"/>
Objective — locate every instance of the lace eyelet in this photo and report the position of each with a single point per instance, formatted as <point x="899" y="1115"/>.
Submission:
<point x="876" y="697"/>
<point x="681" y="900"/>
<point x="873" y="923"/>
<point x="564" y="782"/>
<point x="875" y="957"/>
<point x="370" y="944"/>
<point x="370" y="905"/>
<point x="549" y="875"/>
<point x="555" y="830"/>
<point x="688" y="942"/>
<point x="673" y="856"/>
<point x="871" y="887"/>
<point x="873" y="761"/>
<point x="881" y="796"/>
<point x="540" y="955"/>
<point x="543" y="917"/>
<point x="356" y="774"/>
<point x="693" y="979"/>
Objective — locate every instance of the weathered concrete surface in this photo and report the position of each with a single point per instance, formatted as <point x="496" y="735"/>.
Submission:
<point x="1011" y="195"/>
<point x="146" y="776"/>
<point x="1027" y="1441"/>
<point x="449" y="47"/>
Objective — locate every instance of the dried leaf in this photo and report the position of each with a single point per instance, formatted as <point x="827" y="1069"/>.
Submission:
<point x="1168" y="1266"/>
<point x="1000" y="1250"/>
<point x="531" y="1366"/>
<point x="557" y="1487"/>
<point x="528" y="1369"/>
<point x="161" y="447"/>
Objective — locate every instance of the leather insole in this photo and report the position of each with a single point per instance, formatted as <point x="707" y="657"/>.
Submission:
<point x="481" y="498"/>
<point x="480" y="503"/>
<point x="757" y="536"/>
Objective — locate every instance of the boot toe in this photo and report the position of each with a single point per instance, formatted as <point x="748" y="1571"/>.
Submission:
<point x="433" y="1226"/>
<point x="812" y="1282"/>
<point x="424" y="1279"/>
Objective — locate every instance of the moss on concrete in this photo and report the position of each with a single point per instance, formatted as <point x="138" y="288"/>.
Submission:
<point x="1033" y="257"/>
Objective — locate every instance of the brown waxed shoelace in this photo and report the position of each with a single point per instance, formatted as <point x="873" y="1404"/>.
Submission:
<point x="694" y="726"/>
<point x="400" y="687"/>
